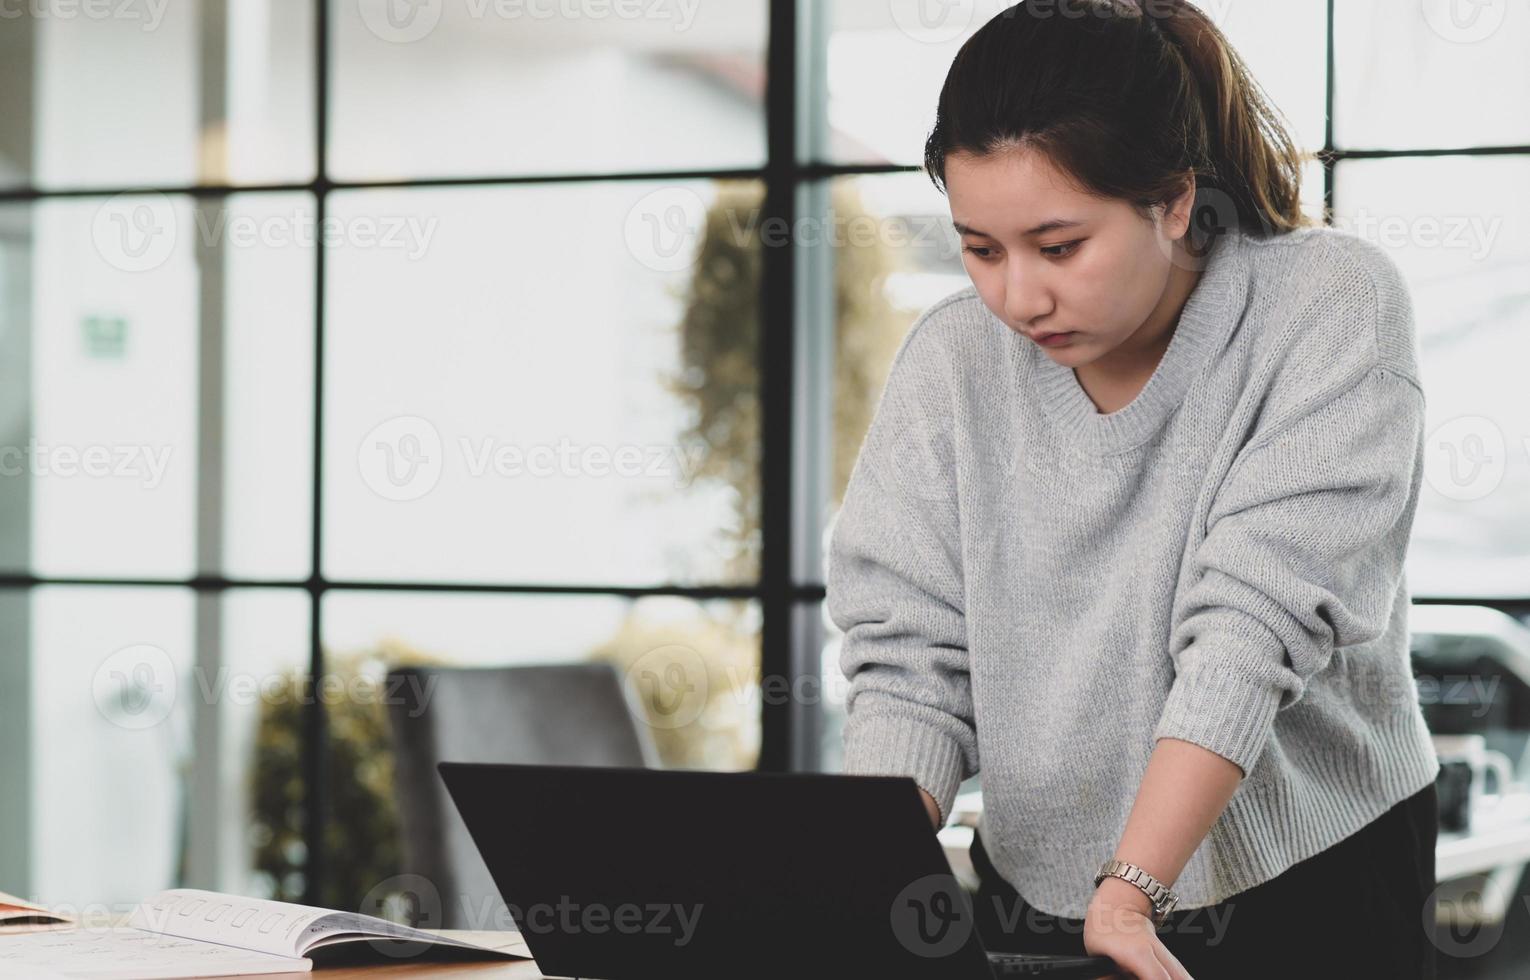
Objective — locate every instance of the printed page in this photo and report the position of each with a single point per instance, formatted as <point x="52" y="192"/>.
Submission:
<point x="282" y="928"/>
<point x="128" y="954"/>
<point x="250" y="923"/>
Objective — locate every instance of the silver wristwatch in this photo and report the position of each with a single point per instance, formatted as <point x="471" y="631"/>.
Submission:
<point x="1162" y="897"/>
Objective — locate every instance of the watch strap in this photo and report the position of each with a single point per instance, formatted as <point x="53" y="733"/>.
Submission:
<point x="1163" y="898"/>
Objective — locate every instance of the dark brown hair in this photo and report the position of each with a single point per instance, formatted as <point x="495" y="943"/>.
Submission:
<point x="1130" y="99"/>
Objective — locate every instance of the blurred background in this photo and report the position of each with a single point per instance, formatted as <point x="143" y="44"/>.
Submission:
<point x="341" y="337"/>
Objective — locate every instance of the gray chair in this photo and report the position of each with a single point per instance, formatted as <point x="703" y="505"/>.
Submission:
<point x="564" y="714"/>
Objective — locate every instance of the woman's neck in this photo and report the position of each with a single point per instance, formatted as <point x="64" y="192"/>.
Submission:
<point x="1113" y="380"/>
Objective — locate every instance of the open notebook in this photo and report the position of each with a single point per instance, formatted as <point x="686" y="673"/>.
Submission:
<point x="185" y="932"/>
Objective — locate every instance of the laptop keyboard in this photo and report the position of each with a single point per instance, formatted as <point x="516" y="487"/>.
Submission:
<point x="1059" y="967"/>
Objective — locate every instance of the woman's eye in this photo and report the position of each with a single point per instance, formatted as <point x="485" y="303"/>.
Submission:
<point x="1051" y="251"/>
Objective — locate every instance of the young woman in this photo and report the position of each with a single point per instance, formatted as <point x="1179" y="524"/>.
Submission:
<point x="1129" y="524"/>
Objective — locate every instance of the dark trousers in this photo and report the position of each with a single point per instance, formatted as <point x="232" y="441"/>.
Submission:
<point x="1356" y="909"/>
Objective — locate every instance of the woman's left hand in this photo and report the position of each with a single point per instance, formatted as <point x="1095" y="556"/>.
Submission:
<point x="1118" y="924"/>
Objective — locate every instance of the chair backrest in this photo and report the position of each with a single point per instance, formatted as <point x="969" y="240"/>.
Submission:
<point x="560" y="714"/>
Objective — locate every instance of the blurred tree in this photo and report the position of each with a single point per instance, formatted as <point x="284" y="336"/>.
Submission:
<point x="719" y="377"/>
<point x="696" y="676"/>
<point x="361" y="836"/>
<point x="870" y="328"/>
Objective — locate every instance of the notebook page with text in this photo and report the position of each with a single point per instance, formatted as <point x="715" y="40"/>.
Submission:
<point x="282" y="928"/>
<point x="130" y="954"/>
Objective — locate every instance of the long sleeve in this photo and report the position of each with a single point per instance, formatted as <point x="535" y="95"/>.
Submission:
<point x="1303" y="553"/>
<point x="895" y="587"/>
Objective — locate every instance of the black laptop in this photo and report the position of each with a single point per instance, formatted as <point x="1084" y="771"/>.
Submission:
<point x="617" y="873"/>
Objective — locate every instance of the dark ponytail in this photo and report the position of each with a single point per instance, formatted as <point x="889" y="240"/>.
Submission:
<point x="1130" y="98"/>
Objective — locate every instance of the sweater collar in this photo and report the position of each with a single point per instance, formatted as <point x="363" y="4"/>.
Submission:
<point x="1205" y="322"/>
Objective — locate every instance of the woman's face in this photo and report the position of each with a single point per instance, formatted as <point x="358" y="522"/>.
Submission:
<point x="1099" y="279"/>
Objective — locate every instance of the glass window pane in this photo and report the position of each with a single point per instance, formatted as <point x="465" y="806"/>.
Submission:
<point x="1456" y="227"/>
<point x="370" y="630"/>
<point x="1285" y="47"/>
<point x="17" y="113"/>
<point x="16" y="288"/>
<point x="268" y="313"/>
<point x="112" y="453"/>
<point x="112" y="707"/>
<point x="693" y="667"/>
<point x="104" y="297"/>
<point x="1430" y="74"/>
<point x="75" y="124"/>
<point x="120" y="710"/>
<point x="887" y="62"/>
<point x="256" y="828"/>
<point x="464" y="89"/>
<point x="550" y="384"/>
<point x="17" y="814"/>
<point x="1312" y="190"/>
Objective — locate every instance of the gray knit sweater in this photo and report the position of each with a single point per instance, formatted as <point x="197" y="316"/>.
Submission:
<point x="1036" y="589"/>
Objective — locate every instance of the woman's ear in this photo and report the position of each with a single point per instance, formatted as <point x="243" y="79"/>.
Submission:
<point x="1176" y="221"/>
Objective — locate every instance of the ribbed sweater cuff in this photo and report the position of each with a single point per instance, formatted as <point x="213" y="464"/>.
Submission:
<point x="893" y="745"/>
<point x="1221" y="710"/>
